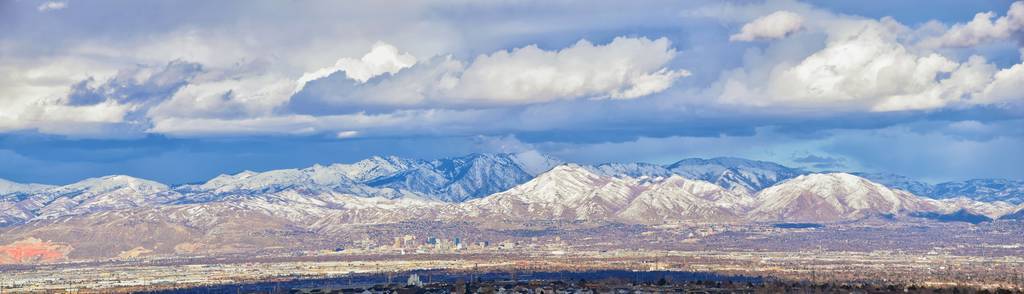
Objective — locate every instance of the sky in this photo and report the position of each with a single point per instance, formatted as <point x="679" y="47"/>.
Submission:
<point x="181" y="91"/>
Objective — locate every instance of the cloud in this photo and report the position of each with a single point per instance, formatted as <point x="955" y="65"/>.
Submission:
<point x="382" y="58"/>
<point x="982" y="29"/>
<point x="502" y="144"/>
<point x="1007" y="85"/>
<point x="139" y="85"/>
<point x="773" y="26"/>
<point x="625" y="68"/>
<point x="405" y="122"/>
<point x="930" y="155"/>
<point x="347" y="134"/>
<point x="820" y="161"/>
<point x="105" y="105"/>
<point x="213" y="95"/>
<point x="865" y="65"/>
<point x="274" y="77"/>
<point x="52" y="5"/>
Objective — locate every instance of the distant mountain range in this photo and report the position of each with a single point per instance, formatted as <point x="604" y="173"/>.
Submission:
<point x="743" y="175"/>
<point x="987" y="190"/>
<point x="461" y="179"/>
<point x="266" y="209"/>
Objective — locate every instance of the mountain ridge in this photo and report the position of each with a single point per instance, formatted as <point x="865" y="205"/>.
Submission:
<point x="123" y="213"/>
<point x="448" y="180"/>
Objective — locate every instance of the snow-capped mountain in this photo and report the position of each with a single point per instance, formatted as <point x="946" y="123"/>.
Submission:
<point x="373" y="182"/>
<point x="834" y="197"/>
<point x="513" y="187"/>
<point x="89" y="195"/>
<point x="677" y="199"/>
<point x="453" y="179"/>
<point x="747" y="175"/>
<point x="314" y="180"/>
<point x="459" y="179"/>
<point x="573" y="192"/>
<point x="895" y="181"/>
<point x="992" y="210"/>
<point x="987" y="190"/>
<point x="982" y="190"/>
<point x="631" y="169"/>
<point x="566" y="192"/>
<point x="276" y="209"/>
<point x="742" y="175"/>
<point x="1017" y="215"/>
<point x="9" y="187"/>
<point x="751" y="176"/>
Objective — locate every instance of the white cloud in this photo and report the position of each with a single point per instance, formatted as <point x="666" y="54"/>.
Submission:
<point x="625" y="68"/>
<point x="382" y="58"/>
<point x="865" y="65"/>
<point x="32" y="93"/>
<point x="1007" y="85"/>
<point x="238" y="96"/>
<point x="347" y="134"/>
<point x="773" y="26"/>
<point x="52" y="5"/>
<point x="403" y="122"/>
<point x="982" y="29"/>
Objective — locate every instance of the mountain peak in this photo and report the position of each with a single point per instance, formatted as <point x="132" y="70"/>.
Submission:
<point x="833" y="197"/>
<point x="565" y="180"/>
<point x="727" y="162"/>
<point x="569" y="168"/>
<point x="734" y="173"/>
<point x="535" y="163"/>
<point x="118" y="181"/>
<point x="833" y="177"/>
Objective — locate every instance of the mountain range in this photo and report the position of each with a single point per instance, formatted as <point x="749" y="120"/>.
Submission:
<point x="987" y="190"/>
<point x="253" y="210"/>
<point x="597" y="191"/>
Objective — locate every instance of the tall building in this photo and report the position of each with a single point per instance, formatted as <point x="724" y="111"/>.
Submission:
<point x="414" y="280"/>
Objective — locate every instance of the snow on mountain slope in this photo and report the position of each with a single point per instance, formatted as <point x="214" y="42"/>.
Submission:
<point x="834" y="197"/>
<point x="8" y="187"/>
<point x="453" y="179"/>
<point x="382" y="189"/>
<point x="987" y="190"/>
<point x="566" y="192"/>
<point x="90" y="195"/>
<point x="379" y="166"/>
<point x="534" y="163"/>
<point x="573" y="192"/>
<point x="459" y="179"/>
<point x="313" y="180"/>
<point x="747" y="175"/>
<point x="1017" y="215"/>
<point x="631" y="169"/>
<point x="306" y="208"/>
<point x="676" y="198"/>
<point x="895" y="181"/>
<point x="992" y="210"/>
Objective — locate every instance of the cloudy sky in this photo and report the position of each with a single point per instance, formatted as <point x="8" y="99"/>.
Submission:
<point x="180" y="92"/>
